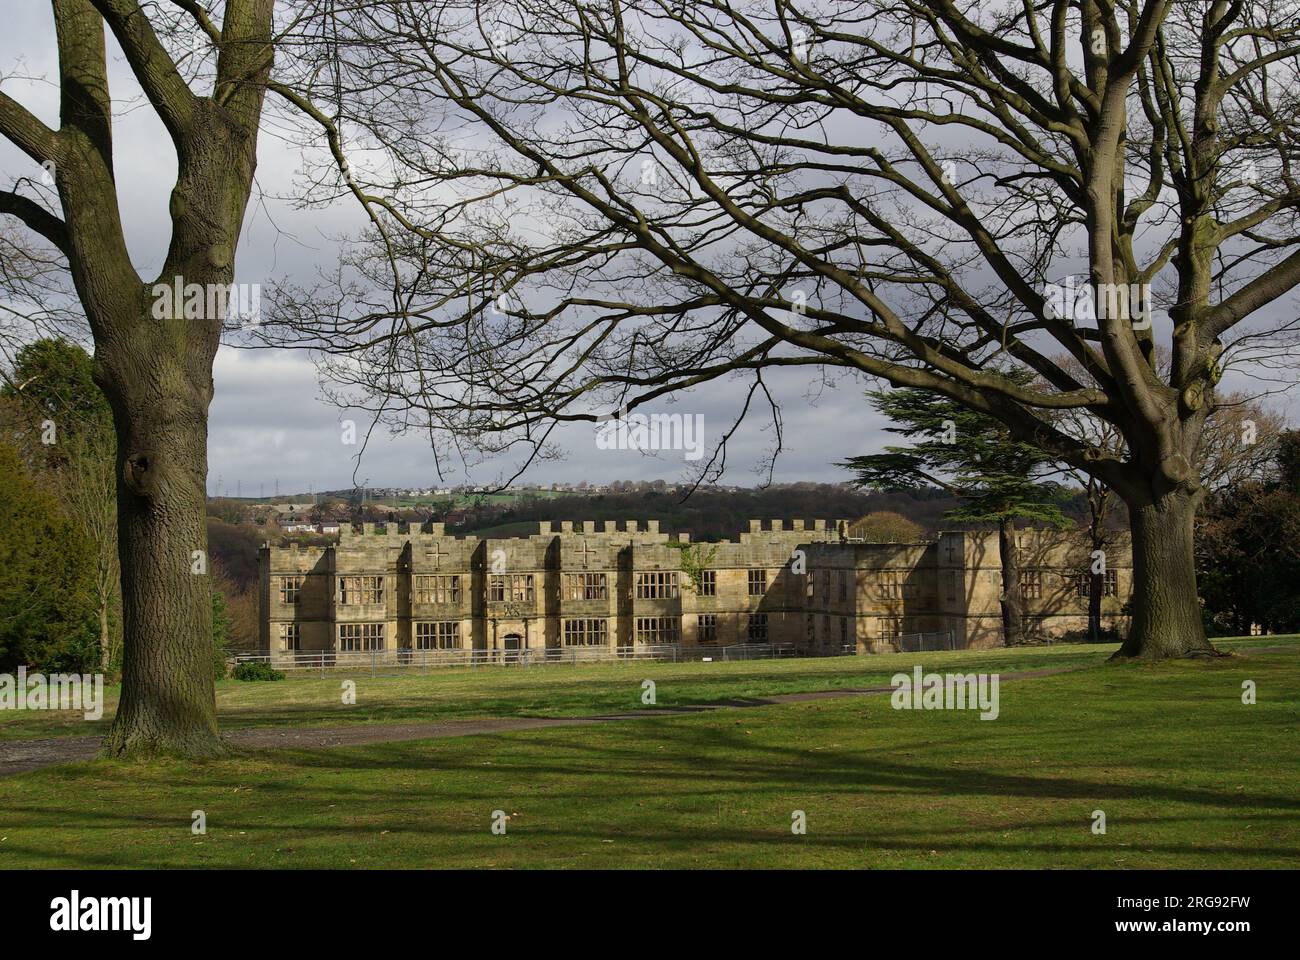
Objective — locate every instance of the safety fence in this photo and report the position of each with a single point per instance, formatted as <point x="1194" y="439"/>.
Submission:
<point x="376" y="660"/>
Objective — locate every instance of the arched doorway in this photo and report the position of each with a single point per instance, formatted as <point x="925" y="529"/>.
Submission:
<point x="513" y="645"/>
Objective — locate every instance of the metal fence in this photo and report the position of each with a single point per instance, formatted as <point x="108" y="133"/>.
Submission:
<point x="923" y="642"/>
<point x="912" y="643"/>
<point x="376" y="660"/>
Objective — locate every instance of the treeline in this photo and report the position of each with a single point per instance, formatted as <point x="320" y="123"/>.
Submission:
<point x="1248" y="549"/>
<point x="60" y="598"/>
<point x="718" y="514"/>
<point x="61" y="589"/>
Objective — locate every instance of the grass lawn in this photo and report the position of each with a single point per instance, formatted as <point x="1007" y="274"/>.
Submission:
<point x="1187" y="775"/>
<point x="555" y="690"/>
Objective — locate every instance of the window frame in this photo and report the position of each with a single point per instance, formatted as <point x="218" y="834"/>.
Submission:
<point x="290" y="635"/>
<point x="658" y="585"/>
<point x="512" y="588"/>
<point x="584" y="632"/>
<point x="586" y="585"/>
<point x="370" y="637"/>
<point x="374" y="589"/>
<point x="438" y="635"/>
<point x="438" y="588"/>
<point x="1031" y="585"/>
<point x="666" y="631"/>
<point x="291" y="588"/>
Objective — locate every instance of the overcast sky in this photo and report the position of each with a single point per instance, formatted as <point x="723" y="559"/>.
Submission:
<point x="268" y="423"/>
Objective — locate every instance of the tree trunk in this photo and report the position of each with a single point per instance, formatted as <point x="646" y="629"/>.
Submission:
<point x="1012" y="626"/>
<point x="1096" y="587"/>
<point x="153" y="360"/>
<point x="105" y="654"/>
<point x="1166" y="608"/>
<point x="160" y="388"/>
<point x="1098" y="495"/>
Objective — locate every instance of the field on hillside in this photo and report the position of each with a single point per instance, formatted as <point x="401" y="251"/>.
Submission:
<point x="1186" y="773"/>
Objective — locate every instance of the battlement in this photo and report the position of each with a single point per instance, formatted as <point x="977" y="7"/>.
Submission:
<point x="819" y="530"/>
<point x="608" y="528"/>
<point x="295" y="558"/>
<point x="392" y="530"/>
<point x="628" y="583"/>
<point x="791" y="531"/>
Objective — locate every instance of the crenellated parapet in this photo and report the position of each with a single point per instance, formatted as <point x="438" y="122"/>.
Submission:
<point x="622" y="583"/>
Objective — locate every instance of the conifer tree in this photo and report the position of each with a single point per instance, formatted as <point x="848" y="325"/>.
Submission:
<point x="973" y="456"/>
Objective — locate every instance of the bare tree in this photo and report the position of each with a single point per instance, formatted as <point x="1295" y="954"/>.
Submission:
<point x="581" y="207"/>
<point x="1101" y="435"/>
<point x="1239" y="443"/>
<point x="152" y="359"/>
<point x="91" y="499"/>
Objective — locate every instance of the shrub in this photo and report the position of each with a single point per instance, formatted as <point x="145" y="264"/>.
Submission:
<point x="256" y="670"/>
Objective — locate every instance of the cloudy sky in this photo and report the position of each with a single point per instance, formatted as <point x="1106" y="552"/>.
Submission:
<point x="268" y="423"/>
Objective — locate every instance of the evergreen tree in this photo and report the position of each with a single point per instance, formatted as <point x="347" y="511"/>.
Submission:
<point x="1248" y="549"/>
<point x="64" y="423"/>
<point x="220" y="633"/>
<point x="46" y="614"/>
<point x="973" y="456"/>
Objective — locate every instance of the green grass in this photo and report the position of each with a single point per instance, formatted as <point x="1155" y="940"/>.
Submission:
<point x="556" y="690"/>
<point x="1187" y="775"/>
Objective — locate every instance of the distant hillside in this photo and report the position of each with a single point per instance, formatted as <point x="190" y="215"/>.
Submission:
<point x="707" y="514"/>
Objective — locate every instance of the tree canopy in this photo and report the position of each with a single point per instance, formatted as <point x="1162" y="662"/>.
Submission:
<point x="968" y="454"/>
<point x="46" y="614"/>
<point x="1248" y="548"/>
<point x="578" y="208"/>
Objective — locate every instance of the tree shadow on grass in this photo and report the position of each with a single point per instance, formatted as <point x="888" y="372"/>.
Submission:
<point x="598" y="788"/>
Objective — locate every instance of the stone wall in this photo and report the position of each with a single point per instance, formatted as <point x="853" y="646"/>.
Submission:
<point x="629" y="583"/>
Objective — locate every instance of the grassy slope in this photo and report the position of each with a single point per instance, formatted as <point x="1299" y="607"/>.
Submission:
<point x="1187" y="775"/>
<point x="555" y="690"/>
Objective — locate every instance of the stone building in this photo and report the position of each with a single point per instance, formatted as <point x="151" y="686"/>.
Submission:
<point x="628" y="584"/>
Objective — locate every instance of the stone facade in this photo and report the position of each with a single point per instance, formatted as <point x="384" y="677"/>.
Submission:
<point x="628" y="584"/>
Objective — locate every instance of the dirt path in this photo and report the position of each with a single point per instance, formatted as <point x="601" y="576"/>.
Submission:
<point x="17" y="756"/>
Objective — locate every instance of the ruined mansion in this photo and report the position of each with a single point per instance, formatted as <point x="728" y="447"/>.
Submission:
<point x="626" y="585"/>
